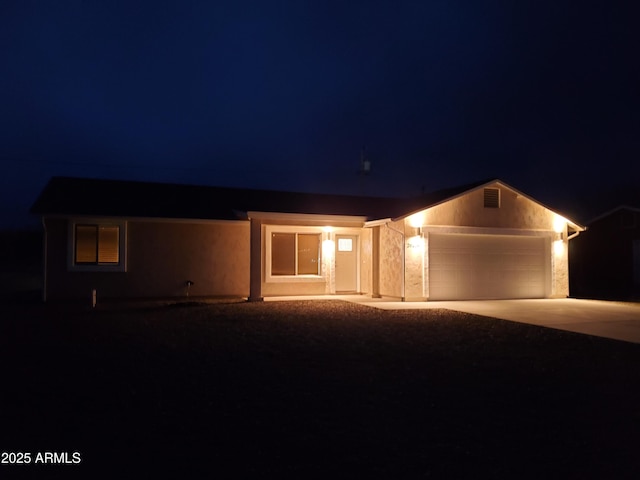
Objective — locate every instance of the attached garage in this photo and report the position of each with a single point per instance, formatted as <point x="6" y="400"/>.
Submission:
<point x="463" y="266"/>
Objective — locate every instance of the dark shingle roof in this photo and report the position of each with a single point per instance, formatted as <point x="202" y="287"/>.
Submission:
<point x="117" y="198"/>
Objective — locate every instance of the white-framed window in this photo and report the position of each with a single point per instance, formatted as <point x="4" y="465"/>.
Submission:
<point x="97" y="245"/>
<point x="293" y="254"/>
<point x="345" y="245"/>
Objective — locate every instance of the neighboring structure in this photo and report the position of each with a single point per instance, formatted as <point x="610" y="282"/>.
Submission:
<point x="605" y="261"/>
<point x="137" y="239"/>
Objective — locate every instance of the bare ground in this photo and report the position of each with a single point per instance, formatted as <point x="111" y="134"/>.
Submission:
<point x="313" y="389"/>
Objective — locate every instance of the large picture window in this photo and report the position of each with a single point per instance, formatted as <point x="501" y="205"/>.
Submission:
<point x="97" y="244"/>
<point x="295" y="253"/>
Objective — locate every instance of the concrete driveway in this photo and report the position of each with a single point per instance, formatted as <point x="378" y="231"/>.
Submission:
<point x="616" y="320"/>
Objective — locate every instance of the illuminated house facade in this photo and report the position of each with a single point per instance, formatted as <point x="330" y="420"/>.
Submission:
<point x="141" y="240"/>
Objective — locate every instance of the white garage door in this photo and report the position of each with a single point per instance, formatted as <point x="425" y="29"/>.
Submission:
<point x="486" y="266"/>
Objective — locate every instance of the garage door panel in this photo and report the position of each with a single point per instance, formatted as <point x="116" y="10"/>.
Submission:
<point x="486" y="266"/>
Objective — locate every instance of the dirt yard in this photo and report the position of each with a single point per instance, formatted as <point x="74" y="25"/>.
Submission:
<point x="312" y="389"/>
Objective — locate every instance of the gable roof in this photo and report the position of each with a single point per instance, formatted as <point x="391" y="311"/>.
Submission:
<point x="117" y="198"/>
<point x="417" y="204"/>
<point x="67" y="196"/>
<point x="612" y="211"/>
<point x="452" y="193"/>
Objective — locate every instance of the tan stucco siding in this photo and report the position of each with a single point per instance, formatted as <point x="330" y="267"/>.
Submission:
<point x="365" y="260"/>
<point x="161" y="257"/>
<point x="414" y="251"/>
<point x="293" y="288"/>
<point x="391" y="270"/>
<point x="560" y="266"/>
<point x="516" y="211"/>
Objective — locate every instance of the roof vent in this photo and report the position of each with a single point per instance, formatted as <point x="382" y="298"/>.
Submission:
<point x="492" y="198"/>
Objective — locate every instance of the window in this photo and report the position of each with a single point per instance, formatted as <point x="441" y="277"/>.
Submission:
<point x="295" y="253"/>
<point x="492" y="198"/>
<point x="97" y="245"/>
<point x="345" y="245"/>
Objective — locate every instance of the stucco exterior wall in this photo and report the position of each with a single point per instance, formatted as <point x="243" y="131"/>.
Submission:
<point x="560" y="267"/>
<point x="516" y="211"/>
<point x="414" y="251"/>
<point x="391" y="270"/>
<point x="365" y="260"/>
<point x="161" y="257"/>
<point x="293" y="288"/>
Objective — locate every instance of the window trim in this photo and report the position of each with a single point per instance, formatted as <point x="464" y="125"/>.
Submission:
<point x="304" y="278"/>
<point x="72" y="266"/>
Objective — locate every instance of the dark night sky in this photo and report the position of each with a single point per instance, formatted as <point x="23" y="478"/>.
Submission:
<point x="284" y="94"/>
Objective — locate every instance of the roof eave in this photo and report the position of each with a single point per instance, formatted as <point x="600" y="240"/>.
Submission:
<point x="613" y="210"/>
<point x="448" y="199"/>
<point x="575" y="225"/>
<point x="308" y="217"/>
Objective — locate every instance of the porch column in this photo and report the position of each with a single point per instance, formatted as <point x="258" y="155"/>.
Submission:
<point x="375" y="263"/>
<point x="255" y="262"/>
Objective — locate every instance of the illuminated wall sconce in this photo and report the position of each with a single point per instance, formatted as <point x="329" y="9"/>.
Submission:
<point x="558" y="247"/>
<point x="559" y="236"/>
<point x="417" y="231"/>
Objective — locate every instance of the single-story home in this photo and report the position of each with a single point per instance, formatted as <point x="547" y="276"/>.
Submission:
<point x="485" y="240"/>
<point x="605" y="261"/>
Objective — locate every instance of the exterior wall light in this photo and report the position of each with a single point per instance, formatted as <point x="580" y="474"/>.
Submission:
<point x="328" y="247"/>
<point x="417" y="219"/>
<point x="559" y="223"/>
<point x="558" y="247"/>
<point x="415" y="244"/>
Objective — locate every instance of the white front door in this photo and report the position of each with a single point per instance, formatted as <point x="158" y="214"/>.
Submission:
<point x="346" y="263"/>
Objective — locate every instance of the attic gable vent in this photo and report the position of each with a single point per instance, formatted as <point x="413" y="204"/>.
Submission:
<point x="492" y="198"/>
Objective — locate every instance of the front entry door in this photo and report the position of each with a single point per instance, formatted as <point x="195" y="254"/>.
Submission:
<point x="346" y="263"/>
